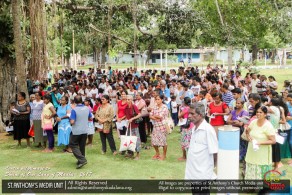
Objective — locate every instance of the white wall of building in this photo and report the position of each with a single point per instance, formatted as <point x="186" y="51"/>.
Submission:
<point x="221" y="55"/>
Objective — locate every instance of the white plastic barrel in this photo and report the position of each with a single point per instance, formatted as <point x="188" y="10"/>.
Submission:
<point x="228" y="153"/>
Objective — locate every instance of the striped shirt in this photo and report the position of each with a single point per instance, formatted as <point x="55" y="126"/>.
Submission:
<point x="227" y="97"/>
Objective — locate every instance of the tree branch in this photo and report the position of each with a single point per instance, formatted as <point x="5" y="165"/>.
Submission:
<point x="105" y="33"/>
<point x="219" y="12"/>
<point x="276" y="6"/>
<point x="144" y="32"/>
<point x="72" y="7"/>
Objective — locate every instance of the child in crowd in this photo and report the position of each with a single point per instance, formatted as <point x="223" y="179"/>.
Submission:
<point x="173" y="109"/>
<point x="91" y="129"/>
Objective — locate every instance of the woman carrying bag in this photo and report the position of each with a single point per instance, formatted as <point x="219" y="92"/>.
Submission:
<point x="48" y="121"/>
<point x="104" y="116"/>
<point x="133" y="116"/>
<point x="261" y="135"/>
<point x="122" y="104"/>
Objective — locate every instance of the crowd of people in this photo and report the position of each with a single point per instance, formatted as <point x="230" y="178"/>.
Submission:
<point x="195" y="99"/>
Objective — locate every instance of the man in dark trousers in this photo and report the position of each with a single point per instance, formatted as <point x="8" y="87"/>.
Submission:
<point x="79" y="121"/>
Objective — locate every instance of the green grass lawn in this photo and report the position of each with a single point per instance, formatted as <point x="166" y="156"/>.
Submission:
<point x="63" y="165"/>
<point x="59" y="165"/>
<point x="101" y="166"/>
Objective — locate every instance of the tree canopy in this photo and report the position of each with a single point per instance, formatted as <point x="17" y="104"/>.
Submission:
<point x="111" y="27"/>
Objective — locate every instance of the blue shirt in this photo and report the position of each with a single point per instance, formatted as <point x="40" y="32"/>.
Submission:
<point x="137" y="74"/>
<point x="80" y="114"/>
<point x="55" y="99"/>
<point x="110" y="73"/>
<point x="137" y="86"/>
<point x="187" y="94"/>
<point x="290" y="111"/>
<point x="61" y="112"/>
<point x="165" y="92"/>
<point x="73" y="113"/>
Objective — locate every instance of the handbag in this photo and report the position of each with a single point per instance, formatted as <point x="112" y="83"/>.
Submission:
<point x="285" y="127"/>
<point x="244" y="136"/>
<point x="138" y="120"/>
<point x="48" y="126"/>
<point x="31" y="131"/>
<point x="144" y="112"/>
<point x="283" y="134"/>
<point x="128" y="142"/>
<point x="168" y="123"/>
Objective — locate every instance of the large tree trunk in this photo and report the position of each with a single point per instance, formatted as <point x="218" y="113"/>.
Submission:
<point x="254" y="53"/>
<point x="109" y="24"/>
<point x="20" y="64"/>
<point x="135" y="44"/>
<point x="38" y="65"/>
<point x="7" y="88"/>
<point x="103" y="58"/>
<point x="273" y="56"/>
<point x="55" y="37"/>
<point x="230" y="56"/>
<point x="95" y="57"/>
<point x="150" y="51"/>
<point x="61" y="40"/>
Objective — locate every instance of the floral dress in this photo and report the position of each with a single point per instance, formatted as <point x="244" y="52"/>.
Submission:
<point x="159" y="130"/>
<point x="186" y="135"/>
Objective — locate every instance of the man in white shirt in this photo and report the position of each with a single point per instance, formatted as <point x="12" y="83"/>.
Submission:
<point x="71" y="92"/>
<point x="102" y="84"/>
<point x="196" y="87"/>
<point x="203" y="146"/>
<point x="94" y="90"/>
<point x="254" y="82"/>
<point x="83" y="92"/>
<point x="108" y="89"/>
